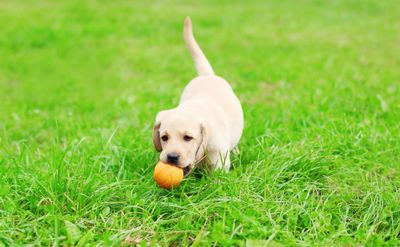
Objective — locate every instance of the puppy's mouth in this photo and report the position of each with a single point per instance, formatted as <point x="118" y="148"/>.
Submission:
<point x="187" y="170"/>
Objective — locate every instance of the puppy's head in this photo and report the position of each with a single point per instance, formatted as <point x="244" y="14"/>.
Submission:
<point x="181" y="140"/>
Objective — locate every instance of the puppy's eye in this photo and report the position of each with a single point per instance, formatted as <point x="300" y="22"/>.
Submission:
<point x="187" y="138"/>
<point x="164" y="138"/>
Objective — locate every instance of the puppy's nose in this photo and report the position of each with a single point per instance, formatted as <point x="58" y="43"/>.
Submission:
<point x="173" y="158"/>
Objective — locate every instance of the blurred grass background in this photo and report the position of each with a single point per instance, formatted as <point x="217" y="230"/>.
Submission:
<point x="81" y="82"/>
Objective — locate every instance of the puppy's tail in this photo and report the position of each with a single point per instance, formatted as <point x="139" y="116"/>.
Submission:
<point x="203" y="67"/>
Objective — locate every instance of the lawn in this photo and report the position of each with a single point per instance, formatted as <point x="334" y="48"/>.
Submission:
<point x="82" y="81"/>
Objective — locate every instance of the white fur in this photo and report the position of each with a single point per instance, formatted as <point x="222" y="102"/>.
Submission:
<point x="208" y="111"/>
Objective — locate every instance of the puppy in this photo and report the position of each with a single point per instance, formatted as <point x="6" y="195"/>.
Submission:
<point x="207" y="123"/>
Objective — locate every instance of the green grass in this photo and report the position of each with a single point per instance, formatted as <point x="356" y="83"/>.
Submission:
<point x="81" y="83"/>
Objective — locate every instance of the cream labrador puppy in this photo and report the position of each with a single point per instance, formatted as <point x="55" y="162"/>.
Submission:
<point x="207" y="123"/>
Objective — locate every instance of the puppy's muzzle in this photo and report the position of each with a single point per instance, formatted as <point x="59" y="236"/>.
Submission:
<point x="173" y="158"/>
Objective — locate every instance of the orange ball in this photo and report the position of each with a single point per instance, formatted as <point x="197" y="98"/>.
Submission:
<point x="167" y="176"/>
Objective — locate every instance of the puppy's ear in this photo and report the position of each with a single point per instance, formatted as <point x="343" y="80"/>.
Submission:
<point x="156" y="136"/>
<point x="203" y="142"/>
<point x="156" y="130"/>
